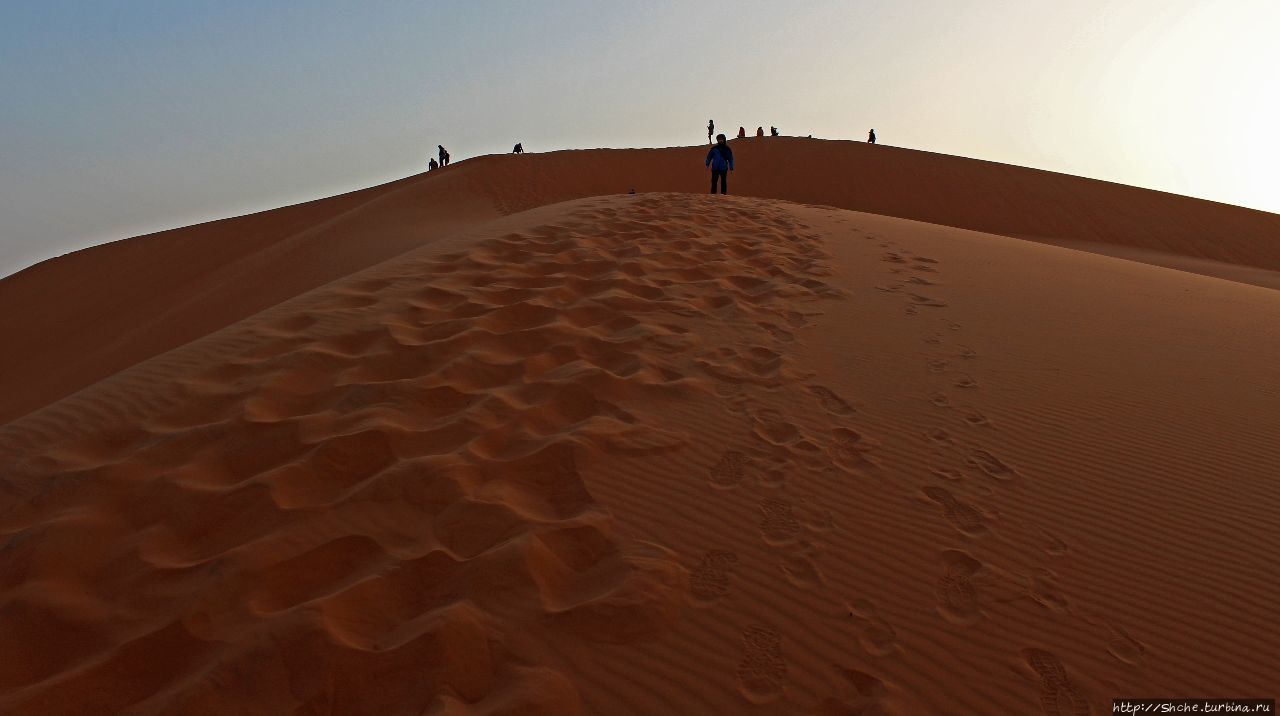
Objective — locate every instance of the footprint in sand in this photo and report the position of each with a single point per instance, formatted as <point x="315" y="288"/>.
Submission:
<point x="1059" y="695"/>
<point x="1043" y="588"/>
<point x="762" y="668"/>
<point x="830" y="402"/>
<point x="773" y="427"/>
<point x="795" y="319"/>
<point x="876" y="635"/>
<point x="968" y="353"/>
<point x="1051" y="544"/>
<point x="800" y="568"/>
<point x="991" y="465"/>
<point x="931" y="302"/>
<point x="947" y="473"/>
<point x="966" y="381"/>
<point x="937" y="365"/>
<point x="957" y="597"/>
<point x="939" y="436"/>
<point x="728" y="472"/>
<point x="1124" y="647"/>
<point x="849" y="450"/>
<point x="709" y="581"/>
<point x="866" y="699"/>
<point x="940" y="399"/>
<point x="977" y="419"/>
<point x="963" y="516"/>
<point x="778" y="525"/>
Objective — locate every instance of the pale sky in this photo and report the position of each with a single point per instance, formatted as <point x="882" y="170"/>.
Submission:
<point x="122" y="118"/>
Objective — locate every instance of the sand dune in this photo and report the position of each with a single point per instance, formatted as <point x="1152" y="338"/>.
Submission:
<point x="659" y="453"/>
<point x="124" y="302"/>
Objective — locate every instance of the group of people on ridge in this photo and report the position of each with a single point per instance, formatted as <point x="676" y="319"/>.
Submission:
<point x="444" y="156"/>
<point x="444" y="159"/>
<point x="742" y="131"/>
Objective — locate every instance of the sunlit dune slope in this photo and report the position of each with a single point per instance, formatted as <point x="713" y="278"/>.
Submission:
<point x="665" y="454"/>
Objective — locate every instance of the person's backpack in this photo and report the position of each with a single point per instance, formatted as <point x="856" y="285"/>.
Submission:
<point x="720" y="162"/>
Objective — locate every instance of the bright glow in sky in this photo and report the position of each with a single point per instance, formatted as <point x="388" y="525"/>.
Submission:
<point x="118" y="119"/>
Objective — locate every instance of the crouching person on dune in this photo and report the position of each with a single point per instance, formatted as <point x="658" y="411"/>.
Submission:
<point x="720" y="159"/>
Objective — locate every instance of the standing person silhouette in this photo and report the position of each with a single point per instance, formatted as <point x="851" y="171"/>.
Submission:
<point x="759" y="131"/>
<point x="432" y="166"/>
<point x="711" y="129"/>
<point x="720" y="159"/>
<point x="871" y="137"/>
<point x="444" y="156"/>
<point x="773" y="131"/>
<point x="519" y="149"/>
<point x="742" y="132"/>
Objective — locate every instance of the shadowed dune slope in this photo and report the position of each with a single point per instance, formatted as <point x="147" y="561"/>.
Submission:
<point x="81" y="317"/>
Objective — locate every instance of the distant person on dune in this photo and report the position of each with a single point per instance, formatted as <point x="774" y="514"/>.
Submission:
<point x="759" y="131"/>
<point x="519" y="149"/>
<point x="742" y="132"/>
<point x="711" y="129"/>
<point x="773" y="131"/>
<point x="871" y="137"/>
<point x="432" y="165"/>
<point x="720" y="159"/>
<point x="444" y="156"/>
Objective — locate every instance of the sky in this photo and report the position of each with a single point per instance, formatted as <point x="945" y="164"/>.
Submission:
<point x="119" y="118"/>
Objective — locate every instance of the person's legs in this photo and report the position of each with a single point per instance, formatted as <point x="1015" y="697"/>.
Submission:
<point x="715" y="175"/>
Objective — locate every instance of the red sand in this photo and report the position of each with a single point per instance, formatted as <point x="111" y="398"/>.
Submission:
<point x="445" y="446"/>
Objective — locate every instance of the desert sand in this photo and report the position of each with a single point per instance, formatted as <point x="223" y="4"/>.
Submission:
<point x="889" y="433"/>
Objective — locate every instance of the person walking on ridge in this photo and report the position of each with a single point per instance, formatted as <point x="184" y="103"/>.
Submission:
<point x="759" y="131"/>
<point x="742" y="132"/>
<point x="711" y="129"/>
<point x="444" y="156"/>
<point x="432" y="165"/>
<point x="519" y="148"/>
<point x="720" y="159"/>
<point x="871" y="137"/>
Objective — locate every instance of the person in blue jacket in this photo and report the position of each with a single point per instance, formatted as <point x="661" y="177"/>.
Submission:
<point x="720" y="159"/>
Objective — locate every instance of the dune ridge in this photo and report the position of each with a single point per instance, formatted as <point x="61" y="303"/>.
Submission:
<point x="126" y="301"/>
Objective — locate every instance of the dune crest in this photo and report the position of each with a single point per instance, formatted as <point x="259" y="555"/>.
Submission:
<point x="126" y="301"/>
